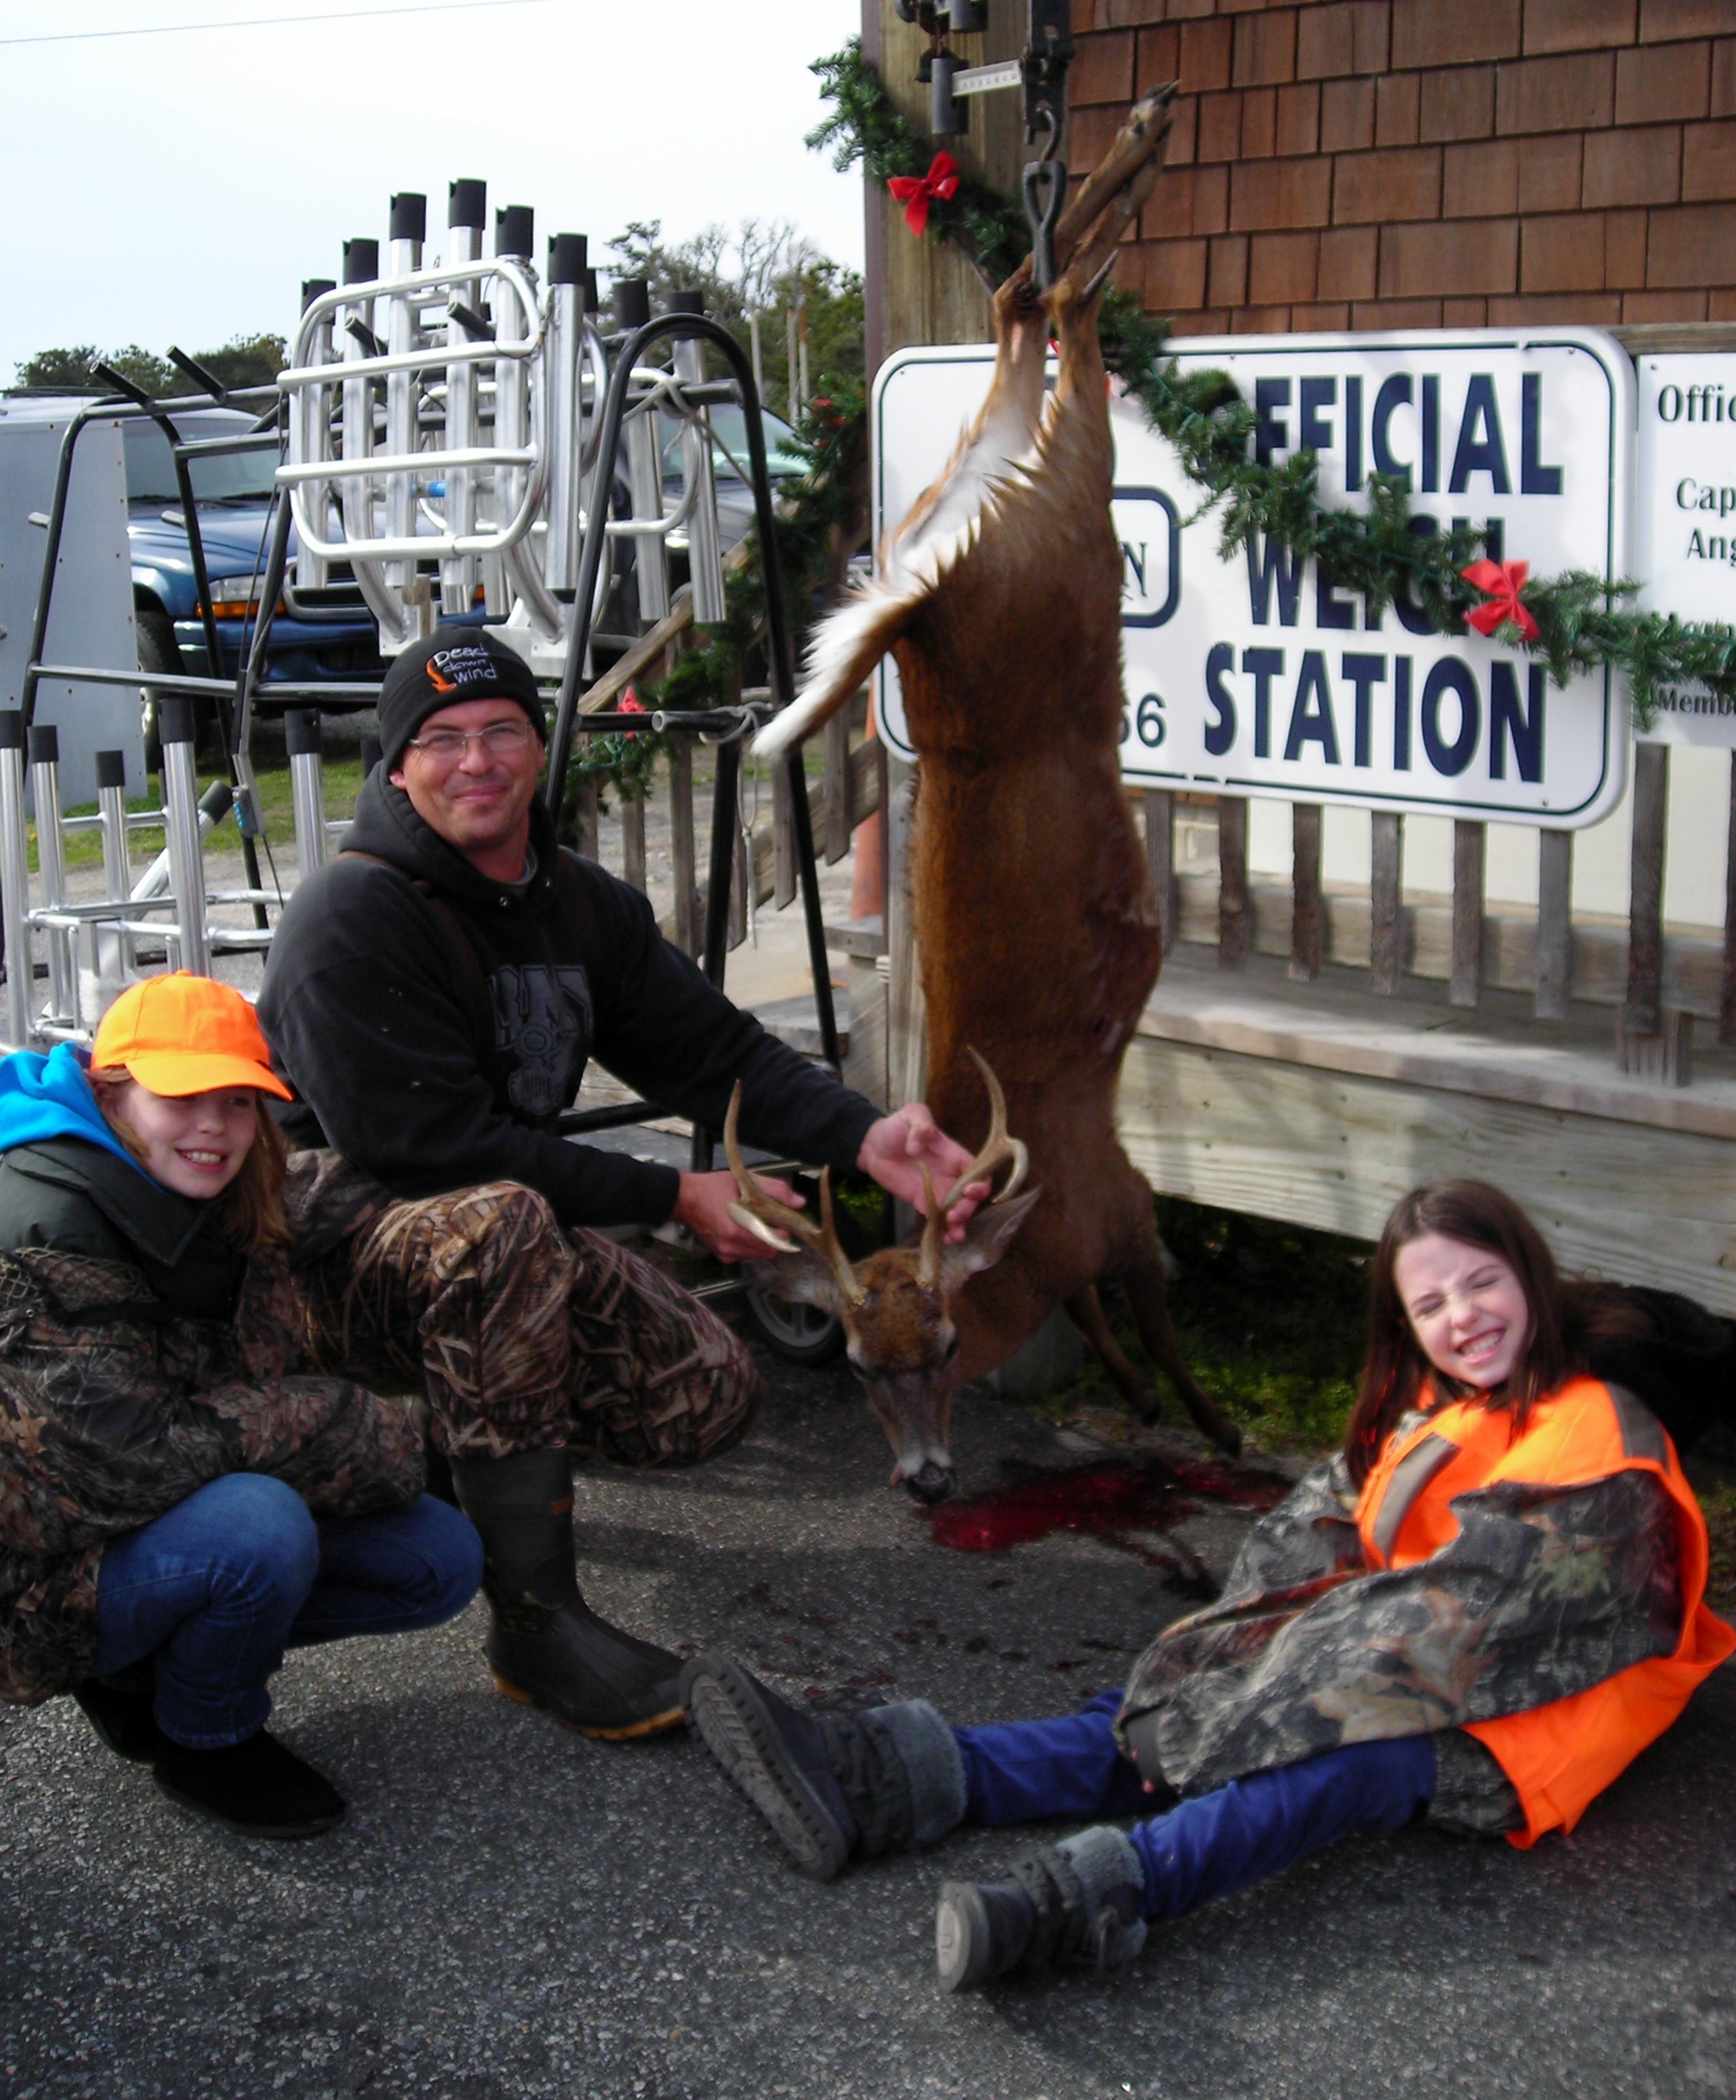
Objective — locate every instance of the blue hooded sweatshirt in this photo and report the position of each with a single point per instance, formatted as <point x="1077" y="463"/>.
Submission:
<point x="49" y="1096"/>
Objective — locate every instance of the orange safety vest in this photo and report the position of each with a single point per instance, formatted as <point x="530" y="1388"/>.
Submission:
<point x="1559" y="1757"/>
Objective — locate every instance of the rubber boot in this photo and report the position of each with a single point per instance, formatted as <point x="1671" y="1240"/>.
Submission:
<point x="1068" y="1904"/>
<point x="546" y="1645"/>
<point x="832" y="1788"/>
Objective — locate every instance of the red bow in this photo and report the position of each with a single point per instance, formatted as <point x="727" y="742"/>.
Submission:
<point x="630" y="705"/>
<point x="917" y="193"/>
<point x="1502" y="582"/>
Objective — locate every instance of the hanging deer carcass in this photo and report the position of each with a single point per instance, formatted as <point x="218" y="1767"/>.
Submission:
<point x="1000" y="598"/>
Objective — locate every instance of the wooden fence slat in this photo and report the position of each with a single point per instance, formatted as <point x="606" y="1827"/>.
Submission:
<point x="585" y="819"/>
<point x="783" y="838"/>
<point x="1554" y="923"/>
<point x="834" y="838"/>
<point x="633" y="842"/>
<point x="1160" y="858"/>
<point x="681" y="845"/>
<point x="1235" y="920"/>
<point x="1643" y="1015"/>
<point x="1386" y="886"/>
<point x="1307" y="910"/>
<point x="1727" y="999"/>
<point x="1470" y="843"/>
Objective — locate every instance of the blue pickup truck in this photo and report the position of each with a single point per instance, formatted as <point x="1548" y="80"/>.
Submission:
<point x="326" y="634"/>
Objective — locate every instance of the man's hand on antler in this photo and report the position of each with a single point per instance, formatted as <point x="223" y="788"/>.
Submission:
<point x="899" y="1146"/>
<point x="703" y="1207"/>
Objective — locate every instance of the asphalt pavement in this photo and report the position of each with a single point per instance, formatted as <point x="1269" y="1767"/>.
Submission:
<point x="510" y="1910"/>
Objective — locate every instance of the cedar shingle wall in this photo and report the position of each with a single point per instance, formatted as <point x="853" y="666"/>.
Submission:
<point x="1374" y="164"/>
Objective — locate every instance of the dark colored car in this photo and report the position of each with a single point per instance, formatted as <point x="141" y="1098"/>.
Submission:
<point x="326" y="635"/>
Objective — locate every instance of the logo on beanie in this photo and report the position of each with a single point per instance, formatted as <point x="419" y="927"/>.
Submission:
<point x="450" y="670"/>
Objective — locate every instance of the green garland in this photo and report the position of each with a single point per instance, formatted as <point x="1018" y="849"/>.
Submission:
<point x="1385" y="554"/>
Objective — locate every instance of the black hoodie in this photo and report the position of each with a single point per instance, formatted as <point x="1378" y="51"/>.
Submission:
<point x="370" y="1012"/>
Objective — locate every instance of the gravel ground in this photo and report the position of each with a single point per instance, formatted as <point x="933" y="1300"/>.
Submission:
<point x="510" y="1910"/>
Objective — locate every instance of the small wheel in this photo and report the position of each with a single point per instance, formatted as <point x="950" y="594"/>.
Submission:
<point x="800" y="1333"/>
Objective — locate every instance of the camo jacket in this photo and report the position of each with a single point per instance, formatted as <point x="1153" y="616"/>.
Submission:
<point x="1544" y="1592"/>
<point x="112" y="1411"/>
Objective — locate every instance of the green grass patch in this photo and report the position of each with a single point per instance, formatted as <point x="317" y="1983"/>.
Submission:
<point x="1271" y="1320"/>
<point x="342" y="778"/>
<point x="1720" y="1506"/>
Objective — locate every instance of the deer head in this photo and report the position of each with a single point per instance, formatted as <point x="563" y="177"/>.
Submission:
<point x="895" y="1305"/>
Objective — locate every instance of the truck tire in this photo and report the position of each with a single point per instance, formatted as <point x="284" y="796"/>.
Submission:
<point x="158" y="650"/>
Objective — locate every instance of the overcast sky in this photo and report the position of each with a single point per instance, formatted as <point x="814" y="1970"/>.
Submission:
<point x="177" y="188"/>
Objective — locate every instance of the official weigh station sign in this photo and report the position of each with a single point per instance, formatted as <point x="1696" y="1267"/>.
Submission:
<point x="1685" y="519"/>
<point x="1256" y="676"/>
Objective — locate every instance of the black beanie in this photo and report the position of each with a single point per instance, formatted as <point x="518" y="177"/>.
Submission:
<point x="454" y="665"/>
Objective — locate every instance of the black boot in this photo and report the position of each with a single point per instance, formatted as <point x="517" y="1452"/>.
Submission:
<point x="1072" y="1904"/>
<point x="123" y="1720"/>
<point x="546" y="1645"/>
<point x="257" y="1788"/>
<point x="832" y="1786"/>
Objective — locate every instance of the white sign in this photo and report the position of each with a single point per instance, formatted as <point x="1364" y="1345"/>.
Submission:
<point x="1254" y="676"/>
<point x="1685" y="522"/>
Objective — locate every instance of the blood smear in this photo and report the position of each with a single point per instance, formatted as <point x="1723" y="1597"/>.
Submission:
<point x="1108" y="1502"/>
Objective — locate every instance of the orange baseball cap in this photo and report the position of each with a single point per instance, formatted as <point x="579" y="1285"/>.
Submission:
<point x="181" y="1034"/>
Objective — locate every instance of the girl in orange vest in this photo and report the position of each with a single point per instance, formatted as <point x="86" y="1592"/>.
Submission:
<point x="1477" y="1614"/>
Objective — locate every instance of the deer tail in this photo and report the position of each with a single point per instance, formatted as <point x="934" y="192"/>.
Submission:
<point x="846" y="648"/>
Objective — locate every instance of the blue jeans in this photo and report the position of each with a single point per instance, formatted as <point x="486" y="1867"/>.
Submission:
<point x="202" y="1603"/>
<point x="1215" y="1843"/>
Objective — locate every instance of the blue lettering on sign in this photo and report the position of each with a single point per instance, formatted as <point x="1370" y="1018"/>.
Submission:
<point x="1150" y="542"/>
<point x="1275" y="563"/>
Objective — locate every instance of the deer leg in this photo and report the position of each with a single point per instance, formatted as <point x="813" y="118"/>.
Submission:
<point x="1085" y="1312"/>
<point x="1147" y="1296"/>
<point x="1134" y="147"/>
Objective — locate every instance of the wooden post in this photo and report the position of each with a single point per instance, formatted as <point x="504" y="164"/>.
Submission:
<point x="783" y="839"/>
<point x="1386" y="889"/>
<point x="1468" y="843"/>
<point x="681" y="845"/>
<point x="1160" y="858"/>
<point x="1555" y="924"/>
<point x="1643" y="1013"/>
<point x="1726" y="999"/>
<point x="633" y="840"/>
<point x="585" y="818"/>
<point x="1235" y="920"/>
<point x="1307" y="909"/>
<point x="835" y="839"/>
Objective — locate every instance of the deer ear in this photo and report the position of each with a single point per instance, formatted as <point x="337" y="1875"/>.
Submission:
<point x="986" y="1238"/>
<point x="801" y="1277"/>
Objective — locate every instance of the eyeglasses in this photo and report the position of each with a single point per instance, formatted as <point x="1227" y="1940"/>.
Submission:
<point x="499" y="740"/>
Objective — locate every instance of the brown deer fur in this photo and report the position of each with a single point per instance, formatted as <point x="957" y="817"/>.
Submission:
<point x="1000" y="598"/>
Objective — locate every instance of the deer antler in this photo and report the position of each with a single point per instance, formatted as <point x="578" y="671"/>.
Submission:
<point x="760" y="1213"/>
<point x="997" y="1148"/>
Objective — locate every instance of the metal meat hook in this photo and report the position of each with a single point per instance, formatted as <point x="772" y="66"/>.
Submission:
<point x="1043" y="214"/>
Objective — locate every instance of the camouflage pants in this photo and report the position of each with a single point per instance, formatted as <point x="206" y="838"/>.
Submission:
<point x="525" y="1337"/>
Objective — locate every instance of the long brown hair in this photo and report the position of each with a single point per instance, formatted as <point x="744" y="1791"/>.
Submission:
<point x="251" y="1207"/>
<point x="1568" y="1314"/>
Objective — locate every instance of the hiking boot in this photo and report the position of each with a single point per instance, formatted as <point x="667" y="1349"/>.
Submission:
<point x="1075" y="1903"/>
<point x="833" y="1786"/>
<point x="258" y="1787"/>
<point x="125" y="1721"/>
<point x="546" y="1645"/>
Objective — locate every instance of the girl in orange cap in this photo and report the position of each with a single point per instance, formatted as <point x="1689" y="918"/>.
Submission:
<point x="177" y="1505"/>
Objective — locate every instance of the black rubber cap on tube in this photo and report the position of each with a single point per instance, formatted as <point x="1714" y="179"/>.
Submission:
<point x="11" y="730"/>
<point x="361" y="261"/>
<point x="515" y="231"/>
<point x="632" y="304"/>
<point x="175" y="718"/>
<point x="467" y="203"/>
<point x="690" y="299"/>
<point x="314" y="288"/>
<point x="568" y="252"/>
<point x="45" y="744"/>
<point x="408" y="216"/>
<point x="301" y="732"/>
<point x="111" y="769"/>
